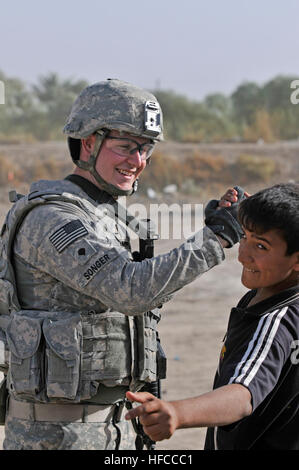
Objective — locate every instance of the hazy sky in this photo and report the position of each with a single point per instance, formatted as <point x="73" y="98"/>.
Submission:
<point x="194" y="47"/>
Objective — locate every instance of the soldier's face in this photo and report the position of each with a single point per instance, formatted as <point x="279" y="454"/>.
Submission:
<point x="118" y="170"/>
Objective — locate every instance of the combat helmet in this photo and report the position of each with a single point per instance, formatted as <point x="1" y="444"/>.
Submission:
<point x="111" y="105"/>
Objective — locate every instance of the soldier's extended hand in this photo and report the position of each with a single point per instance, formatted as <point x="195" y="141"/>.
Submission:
<point x="158" y="417"/>
<point x="222" y="216"/>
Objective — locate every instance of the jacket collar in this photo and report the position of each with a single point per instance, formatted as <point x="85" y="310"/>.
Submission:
<point x="268" y="304"/>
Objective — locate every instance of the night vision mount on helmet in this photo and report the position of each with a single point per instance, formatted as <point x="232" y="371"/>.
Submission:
<point x="111" y="105"/>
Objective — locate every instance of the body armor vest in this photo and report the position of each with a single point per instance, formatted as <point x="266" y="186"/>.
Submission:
<point x="66" y="355"/>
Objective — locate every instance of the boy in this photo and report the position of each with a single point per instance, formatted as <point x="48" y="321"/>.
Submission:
<point x="255" y="399"/>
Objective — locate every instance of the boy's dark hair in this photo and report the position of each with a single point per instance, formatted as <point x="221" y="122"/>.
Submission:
<point x="274" y="208"/>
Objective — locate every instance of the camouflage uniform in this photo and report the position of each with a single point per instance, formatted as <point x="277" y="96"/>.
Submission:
<point x="23" y="434"/>
<point x="96" y="277"/>
<point x="80" y="339"/>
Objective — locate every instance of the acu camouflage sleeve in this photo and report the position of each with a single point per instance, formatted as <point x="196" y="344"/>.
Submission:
<point x="88" y="261"/>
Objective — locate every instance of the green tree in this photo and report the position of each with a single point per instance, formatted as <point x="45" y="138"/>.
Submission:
<point x="246" y="101"/>
<point x="187" y="120"/>
<point x="252" y="111"/>
<point x="18" y="109"/>
<point x="219" y="104"/>
<point x="261" y="128"/>
<point x="275" y="94"/>
<point x="284" y="115"/>
<point x="178" y="112"/>
<point x="56" y="97"/>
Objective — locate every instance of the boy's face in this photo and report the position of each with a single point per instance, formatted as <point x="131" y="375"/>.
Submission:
<point x="265" y="263"/>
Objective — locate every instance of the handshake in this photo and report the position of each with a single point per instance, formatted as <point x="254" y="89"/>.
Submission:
<point x="222" y="216"/>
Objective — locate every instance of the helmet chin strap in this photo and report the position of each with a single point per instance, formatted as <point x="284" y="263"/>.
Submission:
<point x="91" y="167"/>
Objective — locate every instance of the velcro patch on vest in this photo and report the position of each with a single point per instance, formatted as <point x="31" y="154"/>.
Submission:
<point x="67" y="234"/>
<point x="95" y="267"/>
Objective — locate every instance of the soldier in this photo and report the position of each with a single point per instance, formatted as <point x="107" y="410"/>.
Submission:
<point x="77" y="333"/>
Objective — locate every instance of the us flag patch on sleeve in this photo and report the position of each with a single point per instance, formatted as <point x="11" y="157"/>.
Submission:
<point x="67" y="234"/>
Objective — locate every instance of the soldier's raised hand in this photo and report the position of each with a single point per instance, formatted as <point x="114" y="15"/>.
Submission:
<point x="222" y="216"/>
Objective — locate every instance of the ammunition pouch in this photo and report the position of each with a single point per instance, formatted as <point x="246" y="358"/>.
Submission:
<point x="44" y="355"/>
<point x="65" y="356"/>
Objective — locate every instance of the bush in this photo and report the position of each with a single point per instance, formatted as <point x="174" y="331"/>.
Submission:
<point x="9" y="172"/>
<point x="260" y="129"/>
<point x="191" y="174"/>
<point x="203" y="166"/>
<point x="161" y="171"/>
<point x="251" y="168"/>
<point x="48" y="168"/>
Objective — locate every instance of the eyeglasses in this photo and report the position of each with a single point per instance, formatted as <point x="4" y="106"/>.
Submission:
<point x="125" y="147"/>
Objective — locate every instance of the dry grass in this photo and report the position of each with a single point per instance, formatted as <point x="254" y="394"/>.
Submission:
<point x="199" y="170"/>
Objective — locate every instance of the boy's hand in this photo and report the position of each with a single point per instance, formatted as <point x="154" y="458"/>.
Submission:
<point x="230" y="196"/>
<point x="158" y="417"/>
